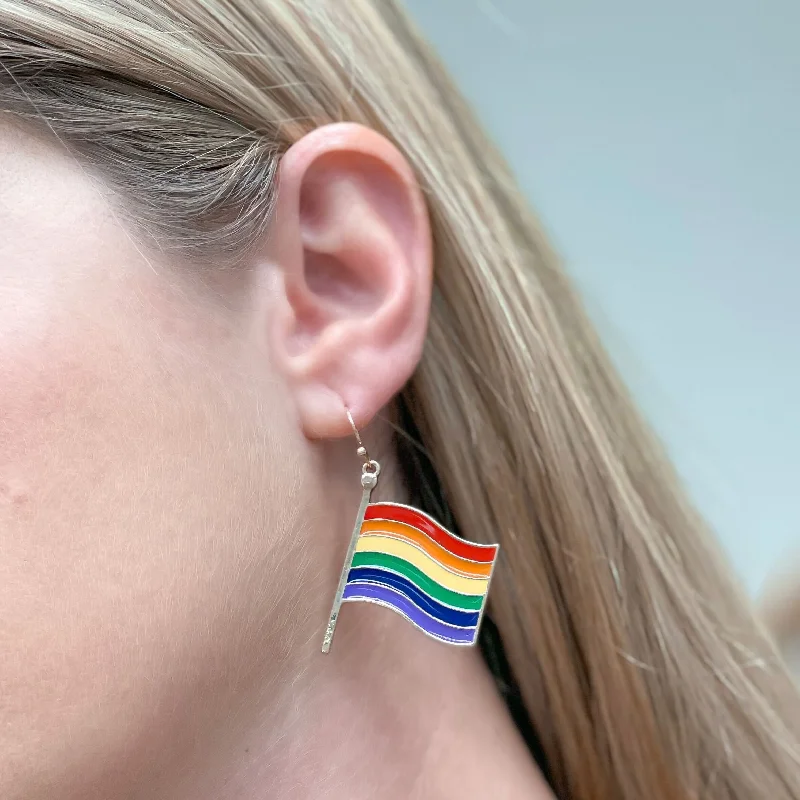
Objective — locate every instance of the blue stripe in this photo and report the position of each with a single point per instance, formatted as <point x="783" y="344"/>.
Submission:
<point x="382" y="577"/>
<point x="391" y="598"/>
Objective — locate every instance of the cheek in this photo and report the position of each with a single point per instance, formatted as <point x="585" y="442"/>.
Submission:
<point x="59" y="401"/>
<point x="136" y="486"/>
<point x="57" y="239"/>
<point x="38" y="378"/>
<point x="132" y="500"/>
<point x="46" y="365"/>
<point x="55" y="375"/>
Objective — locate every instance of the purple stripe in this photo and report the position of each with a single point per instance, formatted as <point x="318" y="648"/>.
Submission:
<point x="386" y="596"/>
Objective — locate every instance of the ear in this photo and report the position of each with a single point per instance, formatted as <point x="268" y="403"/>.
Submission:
<point x="351" y="243"/>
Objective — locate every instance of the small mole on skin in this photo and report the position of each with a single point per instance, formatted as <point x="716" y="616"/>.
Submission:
<point x="13" y="493"/>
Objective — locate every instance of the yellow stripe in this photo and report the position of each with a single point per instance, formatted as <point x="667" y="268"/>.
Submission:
<point x="400" y="530"/>
<point x="420" y="559"/>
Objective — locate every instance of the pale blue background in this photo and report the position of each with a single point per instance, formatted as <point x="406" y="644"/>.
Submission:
<point x="661" y="145"/>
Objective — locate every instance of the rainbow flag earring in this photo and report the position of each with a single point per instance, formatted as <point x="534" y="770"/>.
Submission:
<point x="401" y="558"/>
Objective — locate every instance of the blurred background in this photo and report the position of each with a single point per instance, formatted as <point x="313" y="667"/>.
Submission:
<point x="660" y="144"/>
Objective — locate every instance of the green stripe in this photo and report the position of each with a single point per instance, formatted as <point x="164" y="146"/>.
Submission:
<point x="468" y="602"/>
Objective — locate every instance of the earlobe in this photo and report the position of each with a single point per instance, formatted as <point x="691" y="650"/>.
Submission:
<point x="352" y="246"/>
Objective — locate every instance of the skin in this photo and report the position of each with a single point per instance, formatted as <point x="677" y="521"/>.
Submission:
<point x="177" y="488"/>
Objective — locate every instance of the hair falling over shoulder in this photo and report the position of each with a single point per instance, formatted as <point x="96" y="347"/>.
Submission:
<point x="642" y="666"/>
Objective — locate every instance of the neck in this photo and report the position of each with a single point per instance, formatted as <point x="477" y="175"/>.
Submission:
<point x="387" y="713"/>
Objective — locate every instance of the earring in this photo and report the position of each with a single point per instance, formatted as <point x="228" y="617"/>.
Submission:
<point x="401" y="558"/>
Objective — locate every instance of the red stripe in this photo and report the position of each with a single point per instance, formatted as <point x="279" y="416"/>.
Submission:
<point x="452" y="543"/>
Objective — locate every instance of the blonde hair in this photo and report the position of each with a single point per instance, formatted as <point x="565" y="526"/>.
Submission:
<point x="642" y="667"/>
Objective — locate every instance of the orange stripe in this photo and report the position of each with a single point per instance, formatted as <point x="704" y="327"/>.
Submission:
<point x="399" y="530"/>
